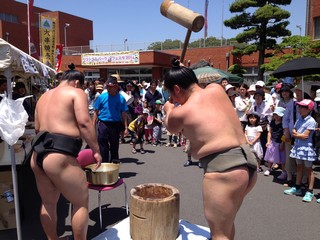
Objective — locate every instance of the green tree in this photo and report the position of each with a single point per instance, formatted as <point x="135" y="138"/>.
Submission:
<point x="290" y="48"/>
<point x="263" y="22"/>
<point x="237" y="69"/>
<point x="167" y="44"/>
<point x="199" y="43"/>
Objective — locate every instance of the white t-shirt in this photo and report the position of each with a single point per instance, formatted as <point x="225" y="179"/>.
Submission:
<point x="252" y="131"/>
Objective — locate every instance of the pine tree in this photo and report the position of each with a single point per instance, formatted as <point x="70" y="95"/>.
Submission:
<point x="263" y="22"/>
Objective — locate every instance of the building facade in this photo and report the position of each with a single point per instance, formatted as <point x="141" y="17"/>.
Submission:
<point x="14" y="26"/>
<point x="75" y="34"/>
<point x="313" y="19"/>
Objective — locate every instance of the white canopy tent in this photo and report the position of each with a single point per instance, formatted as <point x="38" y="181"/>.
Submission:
<point x="14" y="62"/>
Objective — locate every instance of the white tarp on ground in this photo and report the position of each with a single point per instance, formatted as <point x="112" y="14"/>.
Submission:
<point x="187" y="231"/>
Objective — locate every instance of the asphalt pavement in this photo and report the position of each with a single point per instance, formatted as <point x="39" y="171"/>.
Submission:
<point x="266" y="212"/>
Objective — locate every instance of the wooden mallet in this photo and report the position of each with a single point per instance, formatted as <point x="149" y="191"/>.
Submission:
<point x="189" y="19"/>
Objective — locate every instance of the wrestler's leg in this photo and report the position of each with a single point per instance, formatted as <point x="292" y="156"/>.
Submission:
<point x="49" y="199"/>
<point x="66" y="174"/>
<point x="223" y="194"/>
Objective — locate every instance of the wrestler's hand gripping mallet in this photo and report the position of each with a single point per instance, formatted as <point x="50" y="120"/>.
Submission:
<point x="189" y="19"/>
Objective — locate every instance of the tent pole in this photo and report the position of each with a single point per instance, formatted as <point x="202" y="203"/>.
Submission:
<point x="15" y="192"/>
<point x="13" y="165"/>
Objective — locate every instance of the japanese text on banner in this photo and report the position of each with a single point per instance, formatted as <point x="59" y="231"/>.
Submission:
<point x="48" y="38"/>
<point x="110" y="58"/>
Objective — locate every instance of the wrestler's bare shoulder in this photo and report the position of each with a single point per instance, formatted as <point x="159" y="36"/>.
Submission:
<point x="215" y="87"/>
<point x="56" y="110"/>
<point x="63" y="93"/>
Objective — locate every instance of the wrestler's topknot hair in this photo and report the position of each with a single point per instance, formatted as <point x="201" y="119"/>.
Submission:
<point x="179" y="75"/>
<point x="175" y="63"/>
<point x="72" y="74"/>
<point x="71" y="66"/>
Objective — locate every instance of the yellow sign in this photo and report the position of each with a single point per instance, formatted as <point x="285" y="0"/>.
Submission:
<point x="48" y="40"/>
<point x="110" y="58"/>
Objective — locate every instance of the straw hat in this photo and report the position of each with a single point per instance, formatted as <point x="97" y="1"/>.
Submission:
<point x="99" y="87"/>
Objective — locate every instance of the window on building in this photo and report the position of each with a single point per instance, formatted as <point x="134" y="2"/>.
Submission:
<point x="145" y="70"/>
<point x="91" y="75"/>
<point x="8" y="18"/>
<point x="133" y="73"/>
<point x="317" y="28"/>
<point x="129" y="71"/>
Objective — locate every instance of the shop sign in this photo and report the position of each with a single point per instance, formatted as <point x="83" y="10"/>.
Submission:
<point x="110" y="58"/>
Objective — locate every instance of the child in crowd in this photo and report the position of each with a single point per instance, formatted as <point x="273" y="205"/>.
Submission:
<point x="157" y="123"/>
<point x="275" y="153"/>
<point x="303" y="149"/>
<point x="148" y="129"/>
<point x="136" y="130"/>
<point x="172" y="140"/>
<point x="252" y="133"/>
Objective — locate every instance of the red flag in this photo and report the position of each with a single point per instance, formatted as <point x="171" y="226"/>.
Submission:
<point x="59" y="49"/>
<point x="206" y="19"/>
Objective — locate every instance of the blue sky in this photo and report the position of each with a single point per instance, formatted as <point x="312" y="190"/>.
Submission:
<point x="141" y="21"/>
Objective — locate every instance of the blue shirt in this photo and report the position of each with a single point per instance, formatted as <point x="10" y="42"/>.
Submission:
<point x="303" y="124"/>
<point x="110" y="107"/>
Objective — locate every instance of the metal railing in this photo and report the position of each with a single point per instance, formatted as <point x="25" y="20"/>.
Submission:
<point x="138" y="46"/>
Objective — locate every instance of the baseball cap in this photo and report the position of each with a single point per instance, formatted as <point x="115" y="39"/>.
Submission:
<point x="260" y="83"/>
<point x="279" y="111"/>
<point x="146" y="111"/>
<point x="317" y="98"/>
<point x="260" y="92"/>
<point x="306" y="103"/>
<point x="111" y="81"/>
<point x="252" y="88"/>
<point x="278" y="86"/>
<point x="229" y="86"/>
<point x="158" y="102"/>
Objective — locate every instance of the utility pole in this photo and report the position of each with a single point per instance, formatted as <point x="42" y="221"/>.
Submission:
<point x="222" y="19"/>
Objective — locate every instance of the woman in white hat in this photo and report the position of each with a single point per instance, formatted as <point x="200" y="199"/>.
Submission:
<point x="317" y="101"/>
<point x="242" y="104"/>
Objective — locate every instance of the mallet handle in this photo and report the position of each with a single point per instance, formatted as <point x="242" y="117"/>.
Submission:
<point x="185" y="45"/>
